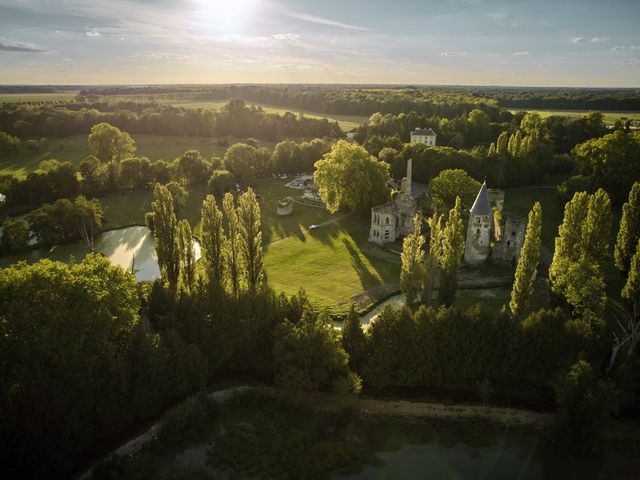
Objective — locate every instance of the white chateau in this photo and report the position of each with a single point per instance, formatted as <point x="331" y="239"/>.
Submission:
<point x="394" y="219"/>
<point x="423" y="135"/>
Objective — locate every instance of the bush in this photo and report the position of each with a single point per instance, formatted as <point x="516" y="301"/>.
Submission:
<point x="186" y="417"/>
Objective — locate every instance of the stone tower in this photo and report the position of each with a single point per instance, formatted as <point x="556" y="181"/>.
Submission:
<point x="406" y="181"/>
<point x="478" y="244"/>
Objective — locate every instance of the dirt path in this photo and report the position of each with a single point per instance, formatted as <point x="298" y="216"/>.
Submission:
<point x="414" y="410"/>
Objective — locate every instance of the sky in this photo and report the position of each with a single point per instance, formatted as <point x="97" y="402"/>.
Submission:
<point x="450" y="42"/>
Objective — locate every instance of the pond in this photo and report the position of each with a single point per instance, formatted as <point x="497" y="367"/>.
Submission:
<point x="125" y="247"/>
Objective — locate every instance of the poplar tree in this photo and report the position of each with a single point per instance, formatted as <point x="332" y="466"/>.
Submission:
<point x="213" y="240"/>
<point x="526" y="270"/>
<point x="354" y="340"/>
<point x="430" y="269"/>
<point x="187" y="256"/>
<point x="250" y="235"/>
<point x="231" y="246"/>
<point x="452" y="250"/>
<point x="596" y="228"/>
<point x="629" y="232"/>
<point x="631" y="290"/>
<point x="412" y="262"/>
<point x="165" y="233"/>
<point x="569" y="240"/>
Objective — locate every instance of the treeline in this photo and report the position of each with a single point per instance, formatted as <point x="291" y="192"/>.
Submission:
<point x="114" y="167"/>
<point x="444" y="101"/>
<point x="235" y="119"/>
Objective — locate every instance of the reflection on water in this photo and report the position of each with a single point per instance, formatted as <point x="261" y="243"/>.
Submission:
<point x="127" y="247"/>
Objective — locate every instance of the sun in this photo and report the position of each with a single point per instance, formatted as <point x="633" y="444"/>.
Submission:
<point x="224" y="15"/>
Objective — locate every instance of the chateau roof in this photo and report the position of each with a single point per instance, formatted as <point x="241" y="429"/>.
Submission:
<point x="482" y="206"/>
<point x="423" y="131"/>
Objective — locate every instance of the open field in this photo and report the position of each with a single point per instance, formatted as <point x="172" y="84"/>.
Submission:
<point x="37" y="97"/>
<point x="75" y="148"/>
<point x="332" y="264"/>
<point x="346" y="122"/>
<point x="609" y="117"/>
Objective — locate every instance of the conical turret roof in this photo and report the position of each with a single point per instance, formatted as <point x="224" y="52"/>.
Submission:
<point x="482" y="206"/>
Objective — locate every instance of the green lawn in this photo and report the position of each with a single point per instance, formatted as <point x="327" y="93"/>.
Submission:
<point x="332" y="264"/>
<point x="609" y="117"/>
<point x="75" y="148"/>
<point x="128" y="208"/>
<point x="520" y="200"/>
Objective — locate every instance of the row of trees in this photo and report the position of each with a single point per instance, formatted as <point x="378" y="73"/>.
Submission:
<point x="236" y="119"/>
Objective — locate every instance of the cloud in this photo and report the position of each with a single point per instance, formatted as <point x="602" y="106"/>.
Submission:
<point x="626" y="47"/>
<point x="598" y="39"/>
<point x="92" y="33"/>
<point x="453" y="54"/>
<point x="577" y="39"/>
<point x="325" y="21"/>
<point x="520" y="54"/>
<point x="9" y="46"/>
<point x="286" y="36"/>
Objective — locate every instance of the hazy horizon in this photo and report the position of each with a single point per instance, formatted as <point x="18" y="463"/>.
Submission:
<point x="453" y="43"/>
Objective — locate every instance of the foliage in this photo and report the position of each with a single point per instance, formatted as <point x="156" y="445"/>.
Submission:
<point x="15" y="235"/>
<point x="354" y="340"/>
<point x="250" y="234"/>
<point x="165" y="234"/>
<point x="450" y="184"/>
<point x="187" y="256"/>
<point x="629" y="232"/>
<point x="611" y="162"/>
<point x="349" y="179"/>
<point x="584" y="405"/>
<point x="308" y="355"/>
<point x="185" y="418"/>
<point x="527" y="268"/>
<point x="451" y="255"/>
<point x="108" y="143"/>
<point x="221" y="182"/>
<point x="631" y="290"/>
<point x="212" y="243"/>
<point x="8" y="143"/>
<point x="412" y="258"/>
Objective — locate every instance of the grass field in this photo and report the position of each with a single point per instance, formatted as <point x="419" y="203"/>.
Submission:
<point x="346" y="122"/>
<point x="332" y="264"/>
<point x="75" y="148"/>
<point x="609" y="117"/>
<point x="37" y="97"/>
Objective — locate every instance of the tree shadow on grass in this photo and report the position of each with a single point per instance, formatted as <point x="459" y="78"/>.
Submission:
<point x="367" y="279"/>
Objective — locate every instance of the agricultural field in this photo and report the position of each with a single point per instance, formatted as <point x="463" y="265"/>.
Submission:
<point x="608" y="117"/>
<point x="37" y="97"/>
<point x="75" y="148"/>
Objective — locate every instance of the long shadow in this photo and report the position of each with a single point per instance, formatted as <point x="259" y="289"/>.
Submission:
<point x="366" y="277"/>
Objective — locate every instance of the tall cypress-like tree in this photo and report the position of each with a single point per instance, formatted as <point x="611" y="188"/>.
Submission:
<point x="165" y="234"/>
<point x="631" y="290"/>
<point x="452" y="250"/>
<point x="213" y="240"/>
<point x="569" y="241"/>
<point x="596" y="229"/>
<point x="231" y="244"/>
<point x="430" y="270"/>
<point x="412" y="262"/>
<point x="527" y="264"/>
<point x="250" y="232"/>
<point x="354" y="340"/>
<point x="187" y="256"/>
<point x="629" y="232"/>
